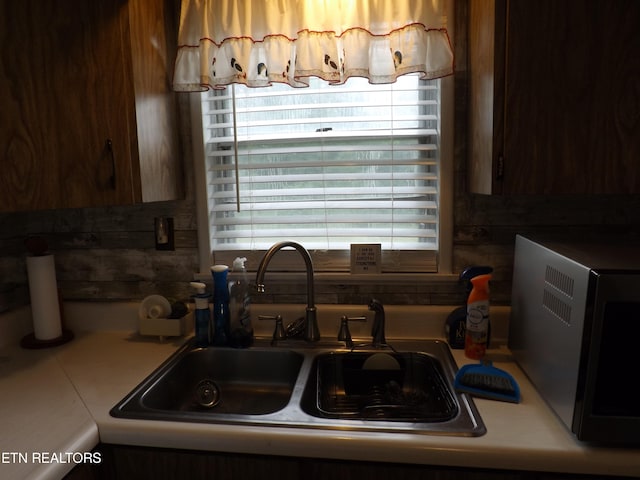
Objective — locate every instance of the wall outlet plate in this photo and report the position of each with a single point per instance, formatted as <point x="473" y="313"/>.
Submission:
<point x="366" y="258"/>
<point x="164" y="233"/>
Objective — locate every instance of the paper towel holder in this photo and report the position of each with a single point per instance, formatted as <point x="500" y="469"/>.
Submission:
<point x="42" y="261"/>
<point x="31" y="342"/>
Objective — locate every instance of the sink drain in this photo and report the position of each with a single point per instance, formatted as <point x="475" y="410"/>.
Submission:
<point x="207" y="394"/>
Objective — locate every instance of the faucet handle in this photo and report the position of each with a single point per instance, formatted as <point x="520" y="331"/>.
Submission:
<point x="344" y="335"/>
<point x="278" y="332"/>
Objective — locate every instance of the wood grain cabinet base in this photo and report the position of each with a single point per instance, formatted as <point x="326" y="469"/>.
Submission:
<point x="121" y="462"/>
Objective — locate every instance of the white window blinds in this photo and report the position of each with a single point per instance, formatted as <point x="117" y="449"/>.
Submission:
<point x="327" y="166"/>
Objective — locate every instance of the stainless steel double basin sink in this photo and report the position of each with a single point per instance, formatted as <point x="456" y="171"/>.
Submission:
<point x="405" y="389"/>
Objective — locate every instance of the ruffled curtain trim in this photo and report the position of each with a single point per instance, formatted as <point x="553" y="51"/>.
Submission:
<point x="335" y="58"/>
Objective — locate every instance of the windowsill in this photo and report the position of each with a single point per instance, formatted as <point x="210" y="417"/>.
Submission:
<point x="343" y="278"/>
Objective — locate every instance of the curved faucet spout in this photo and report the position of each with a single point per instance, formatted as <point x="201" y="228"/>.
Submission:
<point x="311" y="331"/>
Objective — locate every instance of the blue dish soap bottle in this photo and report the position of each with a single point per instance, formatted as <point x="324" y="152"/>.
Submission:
<point x="202" y="314"/>
<point x="241" y="329"/>
<point x="220" y="305"/>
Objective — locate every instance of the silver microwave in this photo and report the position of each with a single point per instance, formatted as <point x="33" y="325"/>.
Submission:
<point x="575" y="331"/>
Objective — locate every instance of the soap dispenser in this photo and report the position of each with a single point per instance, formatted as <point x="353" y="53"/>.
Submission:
<point x="202" y="314"/>
<point x="220" y="305"/>
<point x="241" y="329"/>
<point x="455" y="327"/>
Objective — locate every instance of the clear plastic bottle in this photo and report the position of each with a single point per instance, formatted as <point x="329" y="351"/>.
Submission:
<point x="202" y="314"/>
<point x="220" y="305"/>
<point x="476" y="335"/>
<point x="241" y="329"/>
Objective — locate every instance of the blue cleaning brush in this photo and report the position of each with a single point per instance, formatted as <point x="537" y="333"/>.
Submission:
<point x="487" y="381"/>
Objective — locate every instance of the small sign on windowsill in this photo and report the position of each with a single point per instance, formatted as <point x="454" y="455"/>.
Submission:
<point x="366" y="258"/>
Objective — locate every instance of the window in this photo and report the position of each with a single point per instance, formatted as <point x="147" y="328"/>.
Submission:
<point x="328" y="166"/>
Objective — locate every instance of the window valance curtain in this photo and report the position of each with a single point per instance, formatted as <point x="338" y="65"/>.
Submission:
<point x="257" y="42"/>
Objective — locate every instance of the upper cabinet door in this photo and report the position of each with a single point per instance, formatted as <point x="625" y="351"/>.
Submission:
<point x="555" y="97"/>
<point x="68" y="124"/>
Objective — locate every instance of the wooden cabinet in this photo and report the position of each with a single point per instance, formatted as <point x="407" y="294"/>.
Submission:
<point x="88" y="117"/>
<point x="127" y="462"/>
<point x="554" y="96"/>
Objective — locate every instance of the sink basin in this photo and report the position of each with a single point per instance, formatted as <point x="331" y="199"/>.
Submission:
<point x="314" y="387"/>
<point x="252" y="382"/>
<point x="413" y="388"/>
<point x="218" y="381"/>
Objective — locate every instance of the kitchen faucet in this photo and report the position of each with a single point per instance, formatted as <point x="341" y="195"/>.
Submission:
<point x="311" y="331"/>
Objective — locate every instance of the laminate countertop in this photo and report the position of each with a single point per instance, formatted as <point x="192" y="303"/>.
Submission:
<point x="55" y="403"/>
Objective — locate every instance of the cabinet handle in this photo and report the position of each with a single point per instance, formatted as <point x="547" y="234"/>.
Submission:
<point x="112" y="179"/>
<point x="500" y="168"/>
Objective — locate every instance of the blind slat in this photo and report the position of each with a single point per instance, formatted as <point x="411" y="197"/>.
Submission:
<point x="400" y="86"/>
<point x="337" y="233"/>
<point x="341" y="192"/>
<point x="312" y="219"/>
<point x="257" y="150"/>
<point x="320" y="176"/>
<point x="325" y="136"/>
<point x="332" y="204"/>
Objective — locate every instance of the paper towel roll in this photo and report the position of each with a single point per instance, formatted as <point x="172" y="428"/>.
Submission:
<point x="43" y="288"/>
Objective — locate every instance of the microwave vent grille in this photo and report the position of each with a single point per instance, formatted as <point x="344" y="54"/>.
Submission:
<point x="558" y="291"/>
<point x="559" y="280"/>
<point x="556" y="306"/>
